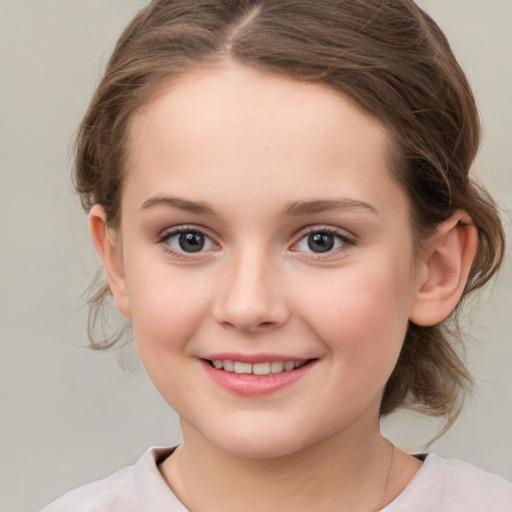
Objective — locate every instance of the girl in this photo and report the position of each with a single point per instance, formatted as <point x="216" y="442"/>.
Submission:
<point x="279" y="193"/>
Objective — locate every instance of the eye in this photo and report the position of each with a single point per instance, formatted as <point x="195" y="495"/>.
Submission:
<point x="188" y="241"/>
<point x="321" y="241"/>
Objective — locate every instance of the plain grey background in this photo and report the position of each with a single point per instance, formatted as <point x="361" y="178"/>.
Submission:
<point x="70" y="415"/>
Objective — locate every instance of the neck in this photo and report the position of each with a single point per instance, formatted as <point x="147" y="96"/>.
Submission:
<point x="354" y="473"/>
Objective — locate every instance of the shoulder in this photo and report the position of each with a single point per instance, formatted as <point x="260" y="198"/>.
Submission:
<point x="475" y="488"/>
<point x="126" y="490"/>
<point x="446" y="485"/>
<point x="113" y="491"/>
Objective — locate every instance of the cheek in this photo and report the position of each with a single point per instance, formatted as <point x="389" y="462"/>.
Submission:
<point x="362" y="314"/>
<point x="167" y="309"/>
<point x="166" y="315"/>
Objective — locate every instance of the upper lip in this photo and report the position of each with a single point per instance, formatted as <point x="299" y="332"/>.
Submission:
<point x="253" y="358"/>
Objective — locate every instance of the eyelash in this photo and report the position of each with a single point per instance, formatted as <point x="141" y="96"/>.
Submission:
<point x="346" y="240"/>
<point x="163" y="240"/>
<point x="342" y="237"/>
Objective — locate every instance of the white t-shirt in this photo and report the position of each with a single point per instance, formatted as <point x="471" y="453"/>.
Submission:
<point x="441" y="485"/>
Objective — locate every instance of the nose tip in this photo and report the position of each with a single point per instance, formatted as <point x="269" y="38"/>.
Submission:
<point x="250" y="320"/>
<point x="251" y="301"/>
<point x="250" y="312"/>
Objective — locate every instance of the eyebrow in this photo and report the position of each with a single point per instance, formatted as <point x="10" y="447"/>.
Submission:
<point x="297" y="208"/>
<point x="291" y="209"/>
<point x="181" y="204"/>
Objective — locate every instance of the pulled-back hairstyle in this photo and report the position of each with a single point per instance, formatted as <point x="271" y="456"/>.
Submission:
<point x="390" y="57"/>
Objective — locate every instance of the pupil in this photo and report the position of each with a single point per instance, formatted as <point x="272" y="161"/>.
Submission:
<point x="321" y="242"/>
<point x="191" y="242"/>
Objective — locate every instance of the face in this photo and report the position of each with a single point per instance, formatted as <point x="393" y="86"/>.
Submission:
<point x="267" y="259"/>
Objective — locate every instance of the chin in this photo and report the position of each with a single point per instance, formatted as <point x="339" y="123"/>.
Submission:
<point x="260" y="442"/>
<point x="263" y="448"/>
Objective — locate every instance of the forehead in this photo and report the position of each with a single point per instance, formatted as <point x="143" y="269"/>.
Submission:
<point x="239" y="96"/>
<point x="245" y="130"/>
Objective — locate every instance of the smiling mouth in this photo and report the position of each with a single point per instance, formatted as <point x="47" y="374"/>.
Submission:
<point x="266" y="368"/>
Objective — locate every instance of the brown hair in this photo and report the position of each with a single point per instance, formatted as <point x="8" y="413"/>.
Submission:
<point x="390" y="57"/>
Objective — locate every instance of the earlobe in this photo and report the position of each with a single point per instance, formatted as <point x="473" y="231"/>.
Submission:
<point x="110" y="254"/>
<point x="444" y="270"/>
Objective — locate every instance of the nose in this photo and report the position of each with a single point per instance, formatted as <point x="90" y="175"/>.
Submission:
<point x="251" y="297"/>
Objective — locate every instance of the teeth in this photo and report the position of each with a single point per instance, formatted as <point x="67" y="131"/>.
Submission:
<point x="257" y="369"/>
<point x="289" y="365"/>
<point x="261" y="369"/>
<point x="243" y="367"/>
<point x="276" y="366"/>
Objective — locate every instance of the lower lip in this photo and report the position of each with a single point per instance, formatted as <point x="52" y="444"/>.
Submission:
<point x="255" y="385"/>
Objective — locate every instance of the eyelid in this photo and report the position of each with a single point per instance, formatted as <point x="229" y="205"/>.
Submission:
<point x="167" y="233"/>
<point x="325" y="228"/>
<point x="347" y="238"/>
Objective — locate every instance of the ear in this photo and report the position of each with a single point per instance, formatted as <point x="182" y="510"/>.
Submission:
<point x="443" y="270"/>
<point x="109" y="251"/>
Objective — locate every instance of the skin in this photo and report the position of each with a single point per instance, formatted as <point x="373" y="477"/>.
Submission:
<point x="247" y="147"/>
